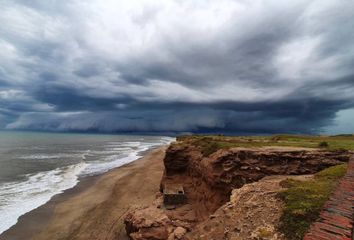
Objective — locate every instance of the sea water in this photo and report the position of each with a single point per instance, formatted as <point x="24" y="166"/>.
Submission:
<point x="36" y="166"/>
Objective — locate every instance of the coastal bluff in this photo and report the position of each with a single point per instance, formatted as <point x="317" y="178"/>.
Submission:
<point x="231" y="193"/>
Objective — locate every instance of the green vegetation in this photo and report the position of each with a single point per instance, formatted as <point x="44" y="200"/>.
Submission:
<point x="323" y="145"/>
<point x="304" y="200"/>
<point x="210" y="144"/>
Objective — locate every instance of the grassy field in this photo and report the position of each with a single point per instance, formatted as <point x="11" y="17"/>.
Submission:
<point x="304" y="200"/>
<point x="211" y="143"/>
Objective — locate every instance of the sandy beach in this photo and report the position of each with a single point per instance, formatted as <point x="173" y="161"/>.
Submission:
<point x="94" y="209"/>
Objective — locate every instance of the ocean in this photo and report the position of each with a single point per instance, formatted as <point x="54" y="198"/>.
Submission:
<point x="36" y="166"/>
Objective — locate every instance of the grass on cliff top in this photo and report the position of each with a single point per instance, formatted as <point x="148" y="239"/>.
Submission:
<point x="304" y="200"/>
<point x="211" y="143"/>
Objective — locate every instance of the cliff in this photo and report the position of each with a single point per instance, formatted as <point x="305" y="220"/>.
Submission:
<point x="213" y="184"/>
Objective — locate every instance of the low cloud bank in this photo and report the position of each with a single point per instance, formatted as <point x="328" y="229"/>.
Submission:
<point x="176" y="66"/>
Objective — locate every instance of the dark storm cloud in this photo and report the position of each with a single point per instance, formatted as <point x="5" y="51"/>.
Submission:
<point x="175" y="66"/>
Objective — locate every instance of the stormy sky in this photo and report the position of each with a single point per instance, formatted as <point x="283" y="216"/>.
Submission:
<point x="231" y="66"/>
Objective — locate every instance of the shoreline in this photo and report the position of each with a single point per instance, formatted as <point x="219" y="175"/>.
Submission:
<point x="72" y="214"/>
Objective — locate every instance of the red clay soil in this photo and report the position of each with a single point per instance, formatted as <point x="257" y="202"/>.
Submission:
<point x="336" y="218"/>
<point x="208" y="183"/>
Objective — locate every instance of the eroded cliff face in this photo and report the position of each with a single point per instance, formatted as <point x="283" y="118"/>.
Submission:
<point x="209" y="181"/>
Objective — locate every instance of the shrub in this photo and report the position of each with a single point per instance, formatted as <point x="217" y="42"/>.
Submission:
<point x="323" y="145"/>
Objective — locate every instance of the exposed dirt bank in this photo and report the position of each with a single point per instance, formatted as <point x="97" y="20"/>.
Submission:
<point x="208" y="183"/>
<point x="253" y="212"/>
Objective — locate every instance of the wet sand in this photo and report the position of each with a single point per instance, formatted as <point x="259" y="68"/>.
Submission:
<point x="94" y="209"/>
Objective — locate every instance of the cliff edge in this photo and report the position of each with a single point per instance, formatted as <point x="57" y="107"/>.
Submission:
<point x="230" y="193"/>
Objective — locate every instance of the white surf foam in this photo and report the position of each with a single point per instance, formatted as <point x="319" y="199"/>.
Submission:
<point x="18" y="198"/>
<point x="48" y="156"/>
<point x="129" y="155"/>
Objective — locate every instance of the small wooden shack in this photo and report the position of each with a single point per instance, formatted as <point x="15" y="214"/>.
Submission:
<point x="173" y="194"/>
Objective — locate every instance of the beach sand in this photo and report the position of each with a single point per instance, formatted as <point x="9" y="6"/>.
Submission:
<point x="95" y="208"/>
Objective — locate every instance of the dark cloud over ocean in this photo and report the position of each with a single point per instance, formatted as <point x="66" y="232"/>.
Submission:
<point x="177" y="66"/>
